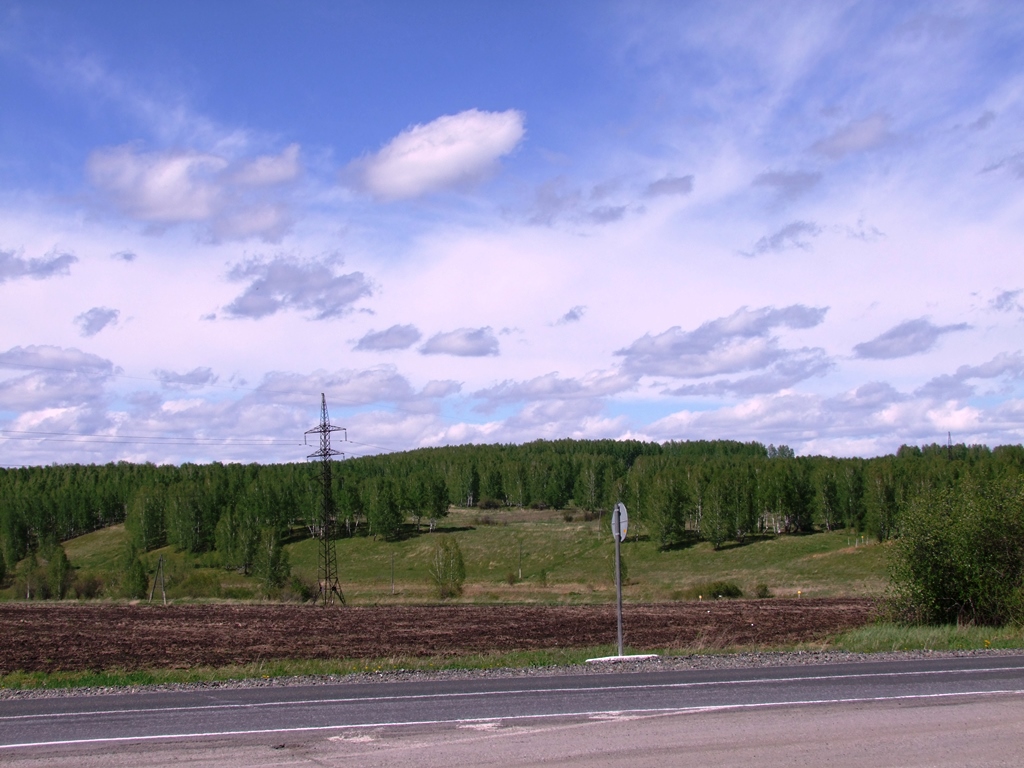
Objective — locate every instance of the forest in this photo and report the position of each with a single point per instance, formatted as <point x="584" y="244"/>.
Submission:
<point x="955" y="512"/>
<point x="713" y="491"/>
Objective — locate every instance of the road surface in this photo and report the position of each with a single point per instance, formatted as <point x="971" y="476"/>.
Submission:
<point x="961" y="711"/>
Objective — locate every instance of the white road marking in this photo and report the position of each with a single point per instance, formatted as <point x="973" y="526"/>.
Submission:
<point x="512" y="718"/>
<point x="506" y="692"/>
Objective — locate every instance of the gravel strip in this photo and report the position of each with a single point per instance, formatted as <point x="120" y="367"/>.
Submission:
<point x="668" y="663"/>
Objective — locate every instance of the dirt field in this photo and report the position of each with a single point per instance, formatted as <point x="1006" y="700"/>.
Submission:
<point x="41" y="637"/>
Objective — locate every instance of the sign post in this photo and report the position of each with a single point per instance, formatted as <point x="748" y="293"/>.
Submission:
<point x="620" y="520"/>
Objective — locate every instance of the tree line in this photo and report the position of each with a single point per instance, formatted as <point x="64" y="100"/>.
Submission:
<point x="676" y="492"/>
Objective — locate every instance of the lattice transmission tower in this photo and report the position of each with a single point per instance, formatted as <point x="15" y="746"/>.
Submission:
<point x="327" y="516"/>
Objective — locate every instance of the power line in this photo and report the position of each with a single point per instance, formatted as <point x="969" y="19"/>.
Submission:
<point x="16" y="434"/>
<point x="378" y="447"/>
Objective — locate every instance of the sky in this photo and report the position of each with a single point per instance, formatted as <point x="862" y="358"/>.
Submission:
<point x="799" y="223"/>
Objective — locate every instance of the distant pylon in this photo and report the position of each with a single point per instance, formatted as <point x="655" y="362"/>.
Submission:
<point x="327" y="555"/>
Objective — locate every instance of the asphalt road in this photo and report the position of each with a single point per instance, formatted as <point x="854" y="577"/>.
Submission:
<point x="560" y="720"/>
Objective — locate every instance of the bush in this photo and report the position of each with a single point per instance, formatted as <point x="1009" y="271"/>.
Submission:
<point x="87" y="587"/>
<point x="197" y="584"/>
<point x="762" y="592"/>
<point x="135" y="584"/>
<point x="959" y="557"/>
<point x="303" y="590"/>
<point x="713" y="590"/>
<point x="487" y="502"/>
<point x="447" y="568"/>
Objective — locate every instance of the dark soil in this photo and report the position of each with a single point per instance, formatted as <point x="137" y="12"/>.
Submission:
<point x="97" y="636"/>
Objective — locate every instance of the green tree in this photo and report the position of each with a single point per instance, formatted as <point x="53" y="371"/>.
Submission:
<point x="271" y="565"/>
<point x="960" y="555"/>
<point x="447" y="567"/>
<point x="144" y="519"/>
<point x="384" y="514"/>
<point x="58" y="573"/>
<point x="134" y="581"/>
<point x="670" y="503"/>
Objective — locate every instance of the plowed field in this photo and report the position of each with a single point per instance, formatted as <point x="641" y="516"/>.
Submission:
<point x="41" y="637"/>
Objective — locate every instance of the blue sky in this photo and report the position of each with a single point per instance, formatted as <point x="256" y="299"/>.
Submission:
<point x="494" y="222"/>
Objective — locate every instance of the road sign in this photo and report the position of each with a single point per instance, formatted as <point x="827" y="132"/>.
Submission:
<point x="620" y="521"/>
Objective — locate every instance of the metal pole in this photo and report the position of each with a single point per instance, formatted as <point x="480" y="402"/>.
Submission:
<point x="618" y="573"/>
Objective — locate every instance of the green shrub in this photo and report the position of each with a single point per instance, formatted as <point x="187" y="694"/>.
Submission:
<point x="87" y="586"/>
<point x="447" y="568"/>
<point x="713" y="590"/>
<point x="197" y="584"/>
<point x="959" y="557"/>
<point x="762" y="592"/>
<point x="135" y="584"/>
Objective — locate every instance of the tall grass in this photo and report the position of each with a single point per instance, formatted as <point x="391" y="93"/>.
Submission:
<point x="884" y="637"/>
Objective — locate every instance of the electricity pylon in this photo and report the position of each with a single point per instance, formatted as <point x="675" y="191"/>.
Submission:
<point x="327" y="554"/>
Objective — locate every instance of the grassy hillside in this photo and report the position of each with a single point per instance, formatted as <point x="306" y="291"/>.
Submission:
<point x="562" y="561"/>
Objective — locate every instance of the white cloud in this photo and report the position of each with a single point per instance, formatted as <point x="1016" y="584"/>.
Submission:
<point x="268" y="170"/>
<point x="446" y="151"/>
<point x="574" y="315"/>
<point x="462" y="342"/>
<point x="197" y="377"/>
<point x="793" y="235"/>
<point x="50" y="377"/>
<point x="908" y="338"/>
<point x="743" y="341"/>
<point x="13" y="266"/>
<point x="285" y="283"/>
<point x="395" y="337"/>
<point x="190" y="187"/>
<point x="551" y="386"/>
<point x="159" y="187"/>
<point x="96" y="319"/>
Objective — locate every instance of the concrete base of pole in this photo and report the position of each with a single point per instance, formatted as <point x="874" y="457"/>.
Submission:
<point x="617" y="659"/>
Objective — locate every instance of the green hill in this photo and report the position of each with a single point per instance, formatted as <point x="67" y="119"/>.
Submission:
<point x="564" y="558"/>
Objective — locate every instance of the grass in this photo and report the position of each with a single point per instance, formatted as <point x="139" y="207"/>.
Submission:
<point x="871" y="639"/>
<point x="883" y="637"/>
<point x="573" y="562"/>
<point x="97" y="551"/>
<point x="561" y="562"/>
<point x="300" y="667"/>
